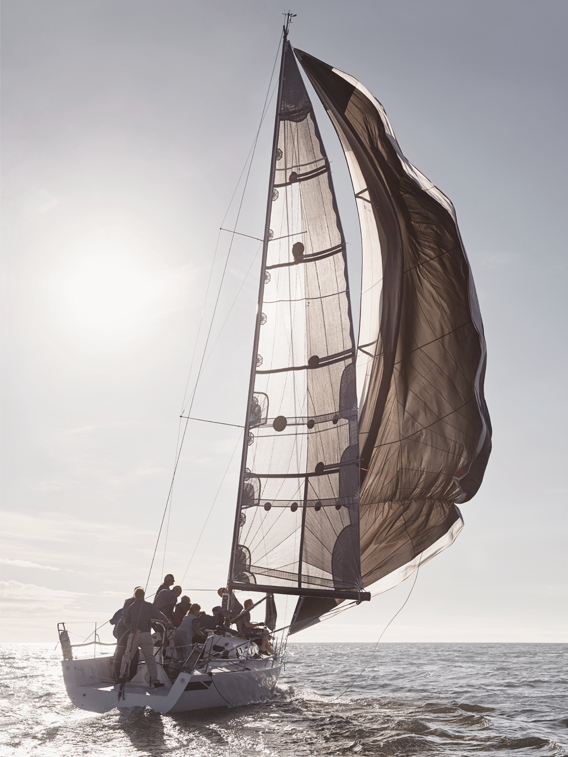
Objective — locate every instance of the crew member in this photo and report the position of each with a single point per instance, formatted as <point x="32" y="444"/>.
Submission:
<point x="169" y="581"/>
<point x="166" y="600"/>
<point x="181" y="610"/>
<point x="138" y="617"/>
<point x="121" y="632"/>
<point x="256" y="632"/>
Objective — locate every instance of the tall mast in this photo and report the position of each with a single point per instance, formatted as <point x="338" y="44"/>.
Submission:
<point x="266" y="240"/>
<point x="297" y="521"/>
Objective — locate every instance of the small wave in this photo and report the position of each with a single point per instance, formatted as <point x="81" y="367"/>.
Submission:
<point x="521" y="743"/>
<point x="412" y="725"/>
<point x="398" y="745"/>
<point x="477" y="720"/>
<point x="475" y="708"/>
<point x="442" y="733"/>
<point x="438" y="709"/>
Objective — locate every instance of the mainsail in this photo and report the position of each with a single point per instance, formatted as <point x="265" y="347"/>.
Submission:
<point x="297" y="527"/>
<point x="425" y="433"/>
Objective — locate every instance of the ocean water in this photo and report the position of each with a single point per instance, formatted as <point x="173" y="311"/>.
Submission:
<point x="407" y="699"/>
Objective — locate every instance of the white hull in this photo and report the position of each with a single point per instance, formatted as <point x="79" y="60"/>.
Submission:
<point x="223" y="683"/>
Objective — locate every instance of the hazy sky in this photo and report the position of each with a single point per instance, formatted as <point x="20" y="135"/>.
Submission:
<point x="126" y="124"/>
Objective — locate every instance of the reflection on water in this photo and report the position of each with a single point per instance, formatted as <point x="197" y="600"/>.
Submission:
<point x="413" y="699"/>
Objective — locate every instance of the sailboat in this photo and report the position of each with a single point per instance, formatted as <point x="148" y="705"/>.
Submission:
<point x="356" y="452"/>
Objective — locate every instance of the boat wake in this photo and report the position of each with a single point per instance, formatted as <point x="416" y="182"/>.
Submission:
<point x="466" y="709"/>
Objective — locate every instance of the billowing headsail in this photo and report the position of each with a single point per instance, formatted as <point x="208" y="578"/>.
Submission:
<point x="425" y="434"/>
<point x="297" y="528"/>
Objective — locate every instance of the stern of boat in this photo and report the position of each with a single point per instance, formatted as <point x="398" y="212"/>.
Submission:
<point x="225" y="672"/>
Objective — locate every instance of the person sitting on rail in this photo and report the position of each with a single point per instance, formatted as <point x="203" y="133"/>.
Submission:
<point x="138" y="617"/>
<point x="181" y="610"/>
<point x="256" y="632"/>
<point x="166" y="600"/>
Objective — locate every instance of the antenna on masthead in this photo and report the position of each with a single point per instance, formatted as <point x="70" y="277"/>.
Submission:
<point x="289" y="16"/>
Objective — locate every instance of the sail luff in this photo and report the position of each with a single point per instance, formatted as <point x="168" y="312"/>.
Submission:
<point x="258" y="310"/>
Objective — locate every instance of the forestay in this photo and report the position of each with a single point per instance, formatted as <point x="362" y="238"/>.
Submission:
<point x="297" y="525"/>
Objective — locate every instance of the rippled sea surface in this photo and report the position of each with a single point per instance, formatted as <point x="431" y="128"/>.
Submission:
<point x="412" y="699"/>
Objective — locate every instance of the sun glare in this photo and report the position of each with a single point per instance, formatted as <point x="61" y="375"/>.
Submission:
<point x="110" y="291"/>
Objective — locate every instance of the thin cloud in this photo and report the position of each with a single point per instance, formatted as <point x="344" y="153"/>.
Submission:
<point x="56" y="527"/>
<point x="495" y="259"/>
<point x="47" y="486"/>
<point x="15" y="596"/>
<point x="83" y="448"/>
<point x="26" y="564"/>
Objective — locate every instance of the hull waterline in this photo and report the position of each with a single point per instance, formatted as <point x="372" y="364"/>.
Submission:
<point x="90" y="686"/>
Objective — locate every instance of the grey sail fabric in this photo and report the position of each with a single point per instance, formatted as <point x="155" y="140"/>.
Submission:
<point x="425" y="433"/>
<point x="298" y="514"/>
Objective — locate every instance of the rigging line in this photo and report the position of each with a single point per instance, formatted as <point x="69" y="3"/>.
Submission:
<point x="201" y="366"/>
<point x="248" y="161"/>
<point x="217" y="423"/>
<point x="354" y="681"/>
<point x="181" y="442"/>
<point x="232" y="306"/>
<point x="169" y="506"/>
<point x="263" y="115"/>
<point x="213" y="677"/>
<point x="168" y="500"/>
<point x="238" y="233"/>
<point x="167" y="534"/>
<point x="201" y="319"/>
<point x="211" y="508"/>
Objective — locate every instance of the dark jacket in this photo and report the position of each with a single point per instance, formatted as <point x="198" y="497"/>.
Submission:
<point x="180" y="611"/>
<point x="165" y="601"/>
<point x="120" y="629"/>
<point x="140" y="614"/>
<point x="210" y="622"/>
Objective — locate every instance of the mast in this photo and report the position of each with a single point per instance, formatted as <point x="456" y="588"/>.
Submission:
<point x="297" y="521"/>
<point x="260" y="295"/>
